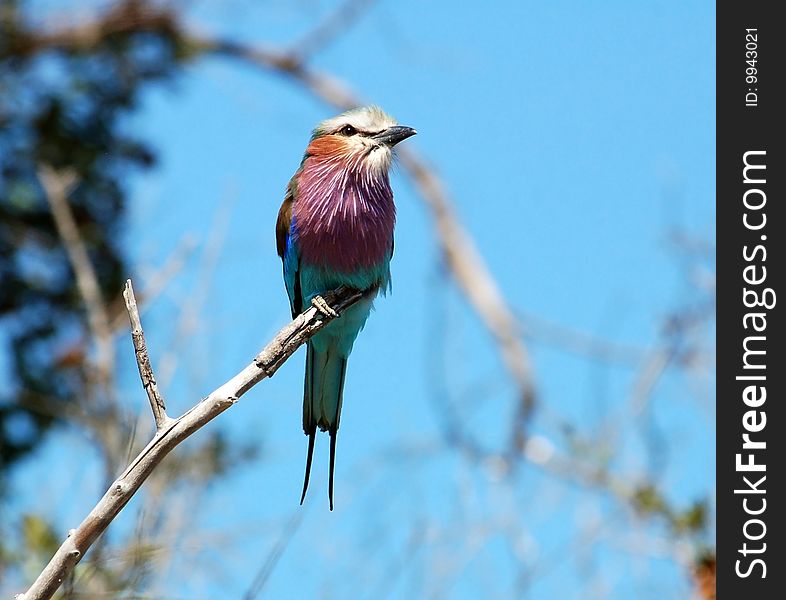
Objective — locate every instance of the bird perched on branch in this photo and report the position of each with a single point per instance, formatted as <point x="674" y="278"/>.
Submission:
<point x="335" y="228"/>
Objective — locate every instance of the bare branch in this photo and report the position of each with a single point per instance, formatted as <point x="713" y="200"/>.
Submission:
<point x="156" y="283"/>
<point x="580" y="343"/>
<point x="478" y="285"/>
<point x="651" y="372"/>
<point x="192" y="306"/>
<point x="271" y="560"/>
<point x="57" y="186"/>
<point x="157" y="404"/>
<point x="174" y="431"/>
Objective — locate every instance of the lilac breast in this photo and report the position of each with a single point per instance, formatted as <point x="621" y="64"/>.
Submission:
<point x="343" y="218"/>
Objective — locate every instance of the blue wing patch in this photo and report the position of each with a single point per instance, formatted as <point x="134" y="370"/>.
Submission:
<point x="292" y="273"/>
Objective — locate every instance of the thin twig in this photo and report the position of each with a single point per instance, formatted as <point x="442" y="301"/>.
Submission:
<point x="580" y="343"/>
<point x="271" y="560"/>
<point x="156" y="282"/>
<point x="157" y="404"/>
<point x="264" y="365"/>
<point x="193" y="305"/>
<point x="651" y="372"/>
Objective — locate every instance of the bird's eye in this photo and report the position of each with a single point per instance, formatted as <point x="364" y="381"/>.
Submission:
<point x="348" y="130"/>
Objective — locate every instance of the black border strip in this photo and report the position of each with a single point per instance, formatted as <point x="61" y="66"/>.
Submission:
<point x="750" y="261"/>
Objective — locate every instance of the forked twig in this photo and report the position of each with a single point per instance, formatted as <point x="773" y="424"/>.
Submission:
<point x="172" y="432"/>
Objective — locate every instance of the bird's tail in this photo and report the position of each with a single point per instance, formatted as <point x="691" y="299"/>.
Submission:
<point x="323" y="395"/>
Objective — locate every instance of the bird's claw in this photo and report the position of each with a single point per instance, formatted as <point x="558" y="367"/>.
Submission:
<point x="322" y="306"/>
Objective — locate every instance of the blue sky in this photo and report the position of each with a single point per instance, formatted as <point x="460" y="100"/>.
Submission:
<point x="572" y="137"/>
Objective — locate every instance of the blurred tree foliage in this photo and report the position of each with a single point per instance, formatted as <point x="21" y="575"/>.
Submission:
<point x="62" y="106"/>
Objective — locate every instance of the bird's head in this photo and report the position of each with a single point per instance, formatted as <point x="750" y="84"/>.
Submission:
<point x="361" y="138"/>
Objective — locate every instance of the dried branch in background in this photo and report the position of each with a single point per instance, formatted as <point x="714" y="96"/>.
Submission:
<point x="156" y="282"/>
<point x="580" y="343"/>
<point x="480" y="288"/>
<point x="192" y="306"/>
<point x="58" y="186"/>
<point x="174" y="431"/>
<point x="271" y="560"/>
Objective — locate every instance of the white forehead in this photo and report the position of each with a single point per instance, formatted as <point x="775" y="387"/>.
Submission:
<point x="365" y="118"/>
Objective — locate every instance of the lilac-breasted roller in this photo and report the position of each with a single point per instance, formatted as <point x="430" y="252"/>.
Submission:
<point x="334" y="228"/>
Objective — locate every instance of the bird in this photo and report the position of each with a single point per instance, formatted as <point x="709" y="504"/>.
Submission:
<point x="335" y="228"/>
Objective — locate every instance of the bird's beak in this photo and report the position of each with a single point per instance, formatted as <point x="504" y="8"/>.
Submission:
<point x="393" y="135"/>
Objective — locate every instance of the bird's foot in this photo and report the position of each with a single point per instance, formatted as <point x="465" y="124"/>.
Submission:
<point x="322" y="306"/>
